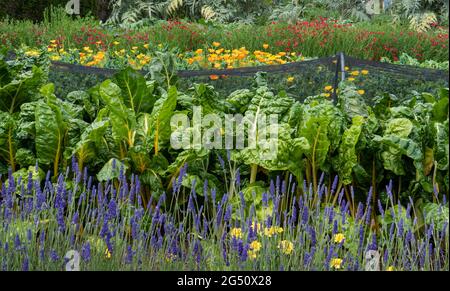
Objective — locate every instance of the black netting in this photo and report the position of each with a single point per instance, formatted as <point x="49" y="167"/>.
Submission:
<point x="298" y="79"/>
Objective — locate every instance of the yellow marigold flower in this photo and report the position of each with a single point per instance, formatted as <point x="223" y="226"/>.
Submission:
<point x="217" y="65"/>
<point x="339" y="237"/>
<point x="268" y="232"/>
<point x="364" y="72"/>
<point x="361" y="92"/>
<point x="286" y="247"/>
<point x="278" y="229"/>
<point x="32" y="53"/>
<point x="355" y="73"/>
<point x="265" y="46"/>
<point x="107" y="254"/>
<point x="256" y="226"/>
<point x="293" y="54"/>
<point x="346" y="68"/>
<point x="251" y="254"/>
<point x="216" y="44"/>
<point x="235" y="232"/>
<point x="390" y="268"/>
<point x="134" y="48"/>
<point x="351" y="79"/>
<point x="336" y="263"/>
<point x="326" y="94"/>
<point x="255" y="245"/>
<point x="290" y="79"/>
<point x="55" y="58"/>
<point x="50" y="49"/>
<point x="328" y="88"/>
<point x="53" y="41"/>
<point x="86" y="48"/>
<point x="146" y="46"/>
<point x="116" y="43"/>
<point x="282" y="54"/>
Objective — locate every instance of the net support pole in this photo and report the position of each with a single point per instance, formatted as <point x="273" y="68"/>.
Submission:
<point x="340" y="67"/>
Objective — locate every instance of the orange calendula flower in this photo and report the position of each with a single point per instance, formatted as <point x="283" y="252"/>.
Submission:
<point x="265" y="46"/>
<point x="216" y="44"/>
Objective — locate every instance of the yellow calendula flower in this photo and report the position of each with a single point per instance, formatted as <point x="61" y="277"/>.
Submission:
<point x="351" y="79"/>
<point x="293" y="54"/>
<point x="361" y="92"/>
<point x="328" y="88"/>
<point x="355" y="73"/>
<point x="146" y="46"/>
<point x="339" y="237"/>
<point x="107" y="254"/>
<point x="216" y="44"/>
<point x="255" y="245"/>
<point x="116" y="43"/>
<point x="256" y="226"/>
<point x="268" y="231"/>
<point x="251" y="254"/>
<point x="236" y="232"/>
<point x="53" y="41"/>
<point x="336" y="263"/>
<point x="50" y="49"/>
<point x="86" y="48"/>
<point x="32" y="53"/>
<point x="55" y="58"/>
<point x="346" y="68"/>
<point x="217" y="65"/>
<point x="134" y="48"/>
<point x="265" y="46"/>
<point x="326" y="94"/>
<point x="364" y="72"/>
<point x="286" y="247"/>
<point x="290" y="79"/>
<point x="390" y="268"/>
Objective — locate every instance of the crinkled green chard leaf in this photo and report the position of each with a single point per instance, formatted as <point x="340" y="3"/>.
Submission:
<point x="441" y="145"/>
<point x="347" y="158"/>
<point x="8" y="125"/>
<point x="51" y="129"/>
<point x="160" y="118"/>
<point x="91" y="139"/>
<point x="136" y="94"/>
<point x="22" y="89"/>
<point x="122" y="118"/>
